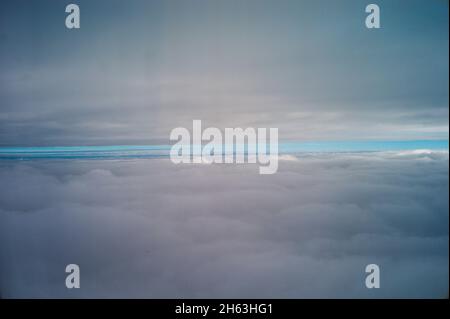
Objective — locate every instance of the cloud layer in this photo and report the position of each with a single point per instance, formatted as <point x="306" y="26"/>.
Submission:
<point x="135" y="71"/>
<point x="149" y="228"/>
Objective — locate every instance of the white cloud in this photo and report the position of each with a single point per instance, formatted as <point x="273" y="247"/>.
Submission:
<point x="149" y="228"/>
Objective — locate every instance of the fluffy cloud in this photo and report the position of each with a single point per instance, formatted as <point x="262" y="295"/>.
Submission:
<point x="149" y="228"/>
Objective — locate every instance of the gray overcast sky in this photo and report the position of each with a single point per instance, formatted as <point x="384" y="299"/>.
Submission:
<point x="137" y="69"/>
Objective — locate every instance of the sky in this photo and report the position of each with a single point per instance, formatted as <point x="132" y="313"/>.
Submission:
<point x="137" y="69"/>
<point x="146" y="228"/>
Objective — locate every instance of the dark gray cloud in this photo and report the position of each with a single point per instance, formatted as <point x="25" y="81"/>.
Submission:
<point x="149" y="228"/>
<point x="135" y="70"/>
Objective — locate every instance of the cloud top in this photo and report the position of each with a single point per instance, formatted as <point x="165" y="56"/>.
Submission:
<point x="148" y="228"/>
